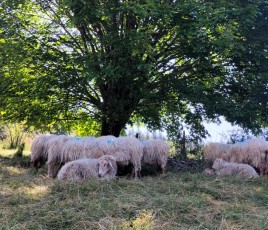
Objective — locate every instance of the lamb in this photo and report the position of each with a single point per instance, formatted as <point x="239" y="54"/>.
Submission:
<point x="156" y="151"/>
<point x="105" y="167"/>
<point x="224" y="168"/>
<point x="39" y="149"/>
<point x="253" y="152"/>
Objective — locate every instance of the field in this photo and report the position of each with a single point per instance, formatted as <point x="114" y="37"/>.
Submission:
<point x="182" y="200"/>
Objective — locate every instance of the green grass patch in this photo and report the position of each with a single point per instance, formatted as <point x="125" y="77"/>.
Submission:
<point x="176" y="200"/>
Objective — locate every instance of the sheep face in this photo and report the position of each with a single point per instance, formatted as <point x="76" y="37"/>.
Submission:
<point x="38" y="163"/>
<point x="107" y="166"/>
<point x="217" y="163"/>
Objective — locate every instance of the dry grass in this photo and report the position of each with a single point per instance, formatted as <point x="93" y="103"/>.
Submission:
<point x="172" y="201"/>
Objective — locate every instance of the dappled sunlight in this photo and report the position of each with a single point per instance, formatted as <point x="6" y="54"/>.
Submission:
<point x="212" y="201"/>
<point x="37" y="191"/>
<point x="15" y="170"/>
<point x="144" y="220"/>
<point x="4" y="192"/>
<point x="258" y="189"/>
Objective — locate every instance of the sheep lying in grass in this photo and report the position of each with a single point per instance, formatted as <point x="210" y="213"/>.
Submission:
<point x="156" y="151"/>
<point x="253" y="152"/>
<point x="68" y="149"/>
<point x="39" y="149"/>
<point x="224" y="168"/>
<point x="127" y="150"/>
<point x="105" y="167"/>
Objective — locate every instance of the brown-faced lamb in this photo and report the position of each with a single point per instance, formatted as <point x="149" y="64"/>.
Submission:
<point x="104" y="167"/>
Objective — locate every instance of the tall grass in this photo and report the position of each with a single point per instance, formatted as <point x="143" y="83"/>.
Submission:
<point x="30" y="200"/>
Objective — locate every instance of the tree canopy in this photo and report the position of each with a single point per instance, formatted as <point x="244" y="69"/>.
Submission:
<point x="166" y="63"/>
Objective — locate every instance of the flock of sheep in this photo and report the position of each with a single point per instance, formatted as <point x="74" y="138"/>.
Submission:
<point x="89" y="157"/>
<point x="238" y="159"/>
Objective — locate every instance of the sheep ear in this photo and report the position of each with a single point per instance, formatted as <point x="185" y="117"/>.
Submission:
<point x="111" y="164"/>
<point x="113" y="158"/>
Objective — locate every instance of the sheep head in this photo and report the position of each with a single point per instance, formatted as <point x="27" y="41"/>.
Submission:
<point x="218" y="163"/>
<point x="107" y="166"/>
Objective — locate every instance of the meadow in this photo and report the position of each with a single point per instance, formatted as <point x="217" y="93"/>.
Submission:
<point x="176" y="200"/>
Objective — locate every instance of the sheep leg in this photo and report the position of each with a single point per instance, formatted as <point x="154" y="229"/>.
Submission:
<point x="50" y="170"/>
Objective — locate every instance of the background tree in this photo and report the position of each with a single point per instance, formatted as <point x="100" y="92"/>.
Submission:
<point x="166" y="62"/>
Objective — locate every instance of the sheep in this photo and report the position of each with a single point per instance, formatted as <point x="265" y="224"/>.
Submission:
<point x="209" y="171"/>
<point x="105" y="167"/>
<point x="55" y="150"/>
<point x="224" y="168"/>
<point x="155" y="151"/>
<point x="39" y="149"/>
<point x="217" y="150"/>
<point x="253" y="152"/>
<point x="127" y="150"/>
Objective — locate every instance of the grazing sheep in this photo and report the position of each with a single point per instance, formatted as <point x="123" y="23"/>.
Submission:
<point x="105" y="167"/>
<point x="224" y="168"/>
<point x="156" y="151"/>
<point x="213" y="151"/>
<point x="55" y="152"/>
<point x="39" y="149"/>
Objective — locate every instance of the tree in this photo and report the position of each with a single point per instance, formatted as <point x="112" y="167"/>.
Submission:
<point x="168" y="63"/>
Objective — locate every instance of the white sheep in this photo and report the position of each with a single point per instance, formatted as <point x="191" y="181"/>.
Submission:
<point x="253" y="152"/>
<point x="214" y="150"/>
<point x="55" y="152"/>
<point x="39" y="149"/>
<point x="127" y="150"/>
<point x="224" y="168"/>
<point x="155" y="151"/>
<point x="105" y="167"/>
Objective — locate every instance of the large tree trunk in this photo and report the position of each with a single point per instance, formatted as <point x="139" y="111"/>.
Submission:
<point x="118" y="104"/>
<point x="113" y="122"/>
<point x="111" y="128"/>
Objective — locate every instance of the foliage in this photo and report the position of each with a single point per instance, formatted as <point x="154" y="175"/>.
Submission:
<point x="15" y="135"/>
<point x="169" y="63"/>
<point x="19" y="152"/>
<point x="239" y="135"/>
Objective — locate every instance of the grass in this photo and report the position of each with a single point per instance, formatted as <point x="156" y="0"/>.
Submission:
<point x="184" y="200"/>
